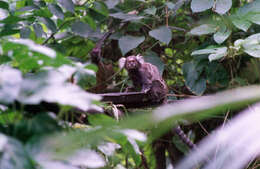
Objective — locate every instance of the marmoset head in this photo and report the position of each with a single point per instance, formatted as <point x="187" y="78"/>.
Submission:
<point x="131" y="62"/>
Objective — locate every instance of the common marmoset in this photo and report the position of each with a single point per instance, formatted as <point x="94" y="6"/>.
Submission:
<point x="146" y="76"/>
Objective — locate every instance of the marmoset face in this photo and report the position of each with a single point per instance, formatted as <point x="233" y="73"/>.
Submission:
<point x="132" y="63"/>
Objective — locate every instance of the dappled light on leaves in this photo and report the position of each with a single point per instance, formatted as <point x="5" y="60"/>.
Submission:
<point x="231" y="146"/>
<point x="10" y="84"/>
<point x="35" y="47"/>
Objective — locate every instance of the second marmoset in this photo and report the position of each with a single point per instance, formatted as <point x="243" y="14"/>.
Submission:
<point x="146" y="76"/>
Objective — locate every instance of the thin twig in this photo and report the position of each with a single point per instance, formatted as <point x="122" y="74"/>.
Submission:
<point x="53" y="33"/>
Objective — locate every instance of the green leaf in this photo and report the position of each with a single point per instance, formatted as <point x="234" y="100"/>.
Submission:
<point x="255" y="18"/>
<point x="222" y="6"/>
<point x="9" y="87"/>
<point x="4" y="5"/>
<point x="25" y="32"/>
<point x="163" y="34"/>
<point x="193" y="81"/>
<point x="56" y="10"/>
<point x="111" y="3"/>
<point x="13" y="154"/>
<point x="222" y="34"/>
<point x="126" y="17"/>
<point x="241" y="23"/>
<point x="49" y="23"/>
<point x="170" y="5"/>
<point x="151" y="11"/>
<point x="214" y="53"/>
<point x="94" y="160"/>
<point x="101" y="120"/>
<point x="7" y="32"/>
<point x="201" y="5"/>
<point x="91" y="22"/>
<point x="11" y="20"/>
<point x="127" y="43"/>
<point x="67" y="4"/>
<point x="81" y="29"/>
<point x="101" y="8"/>
<point x="52" y="86"/>
<point x="154" y="59"/>
<point x="204" y="29"/>
<point x="44" y="12"/>
<point x="251" y="45"/>
<point x="218" y="54"/>
<point x="38" y="30"/>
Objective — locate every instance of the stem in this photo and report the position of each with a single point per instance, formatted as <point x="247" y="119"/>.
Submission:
<point x="53" y="33"/>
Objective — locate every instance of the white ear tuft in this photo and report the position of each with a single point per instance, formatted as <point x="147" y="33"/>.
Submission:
<point x="140" y="59"/>
<point x="122" y="62"/>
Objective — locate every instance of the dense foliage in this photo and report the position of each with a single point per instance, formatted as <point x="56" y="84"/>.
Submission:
<point x="47" y="81"/>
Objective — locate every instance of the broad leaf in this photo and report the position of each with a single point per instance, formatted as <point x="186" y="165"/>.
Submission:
<point x="81" y="29"/>
<point x="222" y="6"/>
<point x="192" y="79"/>
<point x="25" y="32"/>
<point x="151" y="11"/>
<point x="126" y="17"/>
<point x="127" y="43"/>
<point x="204" y="29"/>
<point x="154" y="59"/>
<point x="214" y="53"/>
<point x="51" y="86"/>
<point x="38" y="30"/>
<point x="241" y="23"/>
<point x="49" y="23"/>
<point x="101" y="8"/>
<point x="111" y="3"/>
<point x="222" y="34"/>
<point x="255" y="18"/>
<point x="67" y="4"/>
<point x="13" y="154"/>
<point x="163" y="34"/>
<point x="251" y="45"/>
<point x="4" y="5"/>
<point x="9" y="87"/>
<point x="56" y="10"/>
<point x="201" y="5"/>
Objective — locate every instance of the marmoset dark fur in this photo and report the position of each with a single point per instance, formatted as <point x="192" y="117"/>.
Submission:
<point x="146" y="76"/>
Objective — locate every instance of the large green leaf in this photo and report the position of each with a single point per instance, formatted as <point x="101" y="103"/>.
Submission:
<point x="51" y="86"/>
<point x="126" y="17"/>
<point x="214" y="53"/>
<point x="163" y="34"/>
<point x="49" y="23"/>
<point x="204" y="29"/>
<point x="81" y="29"/>
<point x="201" y="5"/>
<point x="13" y="154"/>
<point x="4" y="5"/>
<point x="127" y="43"/>
<point x="67" y="4"/>
<point x="9" y="87"/>
<point x="56" y="10"/>
<point x="193" y="80"/>
<point x="251" y="45"/>
<point x="111" y="3"/>
<point x="38" y="30"/>
<point x="101" y="8"/>
<point x="222" y="34"/>
<point x="154" y="59"/>
<point x="222" y="6"/>
<point x="25" y="32"/>
<point x="241" y="23"/>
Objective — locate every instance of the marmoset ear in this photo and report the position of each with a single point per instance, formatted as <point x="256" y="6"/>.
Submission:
<point x="140" y="59"/>
<point x="122" y="62"/>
